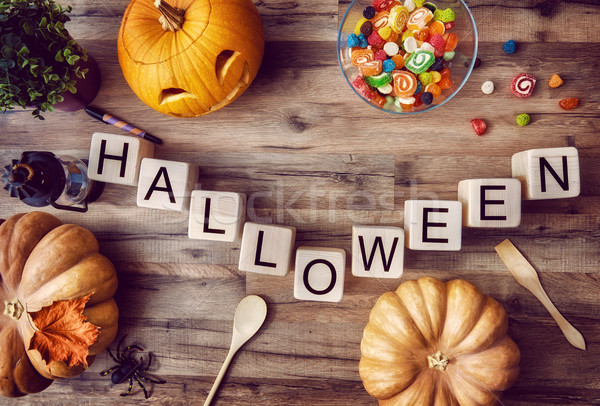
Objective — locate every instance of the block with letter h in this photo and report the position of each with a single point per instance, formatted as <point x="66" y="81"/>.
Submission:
<point x="267" y="248"/>
<point x="319" y="274"/>
<point x="117" y="158"/>
<point x="433" y="225"/>
<point x="166" y="185"/>
<point x="547" y="173"/>
<point x="377" y="252"/>
<point x="490" y="202"/>
<point x="217" y="216"/>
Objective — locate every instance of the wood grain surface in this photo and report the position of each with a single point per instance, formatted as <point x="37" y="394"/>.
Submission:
<point x="310" y="154"/>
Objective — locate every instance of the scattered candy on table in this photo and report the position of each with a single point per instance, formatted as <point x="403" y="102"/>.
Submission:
<point x="569" y="104"/>
<point x="522" y="85"/>
<point x="487" y="87"/>
<point x="477" y="63"/>
<point x="523" y="119"/>
<point x="555" y="81"/>
<point x="510" y="47"/>
<point x="403" y="53"/>
<point x="479" y="126"/>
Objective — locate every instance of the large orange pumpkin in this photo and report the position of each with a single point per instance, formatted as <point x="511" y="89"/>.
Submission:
<point x="190" y="57"/>
<point x="435" y="343"/>
<point x="43" y="261"/>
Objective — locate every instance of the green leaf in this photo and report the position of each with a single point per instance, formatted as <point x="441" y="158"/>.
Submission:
<point x="59" y="57"/>
<point x="43" y="23"/>
<point x="7" y="51"/>
<point x="72" y="60"/>
<point x="54" y="77"/>
<point x="27" y="28"/>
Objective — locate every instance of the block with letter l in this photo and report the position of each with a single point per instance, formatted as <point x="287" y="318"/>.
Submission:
<point x="267" y="248"/>
<point x="217" y="216"/>
<point x="547" y="173"/>
<point x="433" y="225"/>
<point x="377" y="251"/>
<point x="319" y="274"/>
<point x="490" y="202"/>
<point x="117" y="158"/>
<point x="166" y="185"/>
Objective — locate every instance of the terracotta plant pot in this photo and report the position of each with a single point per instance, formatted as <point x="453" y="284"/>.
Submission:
<point x="87" y="88"/>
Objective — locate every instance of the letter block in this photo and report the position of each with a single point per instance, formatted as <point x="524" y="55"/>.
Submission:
<point x="433" y="225"/>
<point x="547" y="173"/>
<point x="267" y="248"/>
<point x="217" y="216"/>
<point x="490" y="202"/>
<point x="166" y="185"/>
<point x="319" y="274"/>
<point x="117" y="158"/>
<point x="377" y="252"/>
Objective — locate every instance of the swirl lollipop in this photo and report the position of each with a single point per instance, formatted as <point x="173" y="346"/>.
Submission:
<point x="522" y="85"/>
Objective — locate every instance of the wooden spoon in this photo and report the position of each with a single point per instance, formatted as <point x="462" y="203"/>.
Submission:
<point x="249" y="316"/>
<point x="527" y="277"/>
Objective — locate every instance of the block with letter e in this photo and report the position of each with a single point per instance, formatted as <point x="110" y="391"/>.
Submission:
<point x="490" y="202"/>
<point x="377" y="251"/>
<point x="267" y="248"/>
<point x="547" y="173"/>
<point x="166" y="185"/>
<point x="117" y="158"/>
<point x="433" y="225"/>
<point x="319" y="274"/>
<point x="217" y="216"/>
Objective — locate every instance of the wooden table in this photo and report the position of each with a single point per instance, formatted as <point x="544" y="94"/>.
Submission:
<point x="313" y="156"/>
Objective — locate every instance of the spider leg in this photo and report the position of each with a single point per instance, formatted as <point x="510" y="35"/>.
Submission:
<point x="151" y="380"/>
<point x="149" y="362"/>
<point x="129" y="388"/>
<point x="135" y="375"/>
<point x="119" y="353"/>
<point x="109" y="370"/>
<point x="113" y="357"/>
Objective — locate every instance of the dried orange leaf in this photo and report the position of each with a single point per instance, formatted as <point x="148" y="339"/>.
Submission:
<point x="63" y="332"/>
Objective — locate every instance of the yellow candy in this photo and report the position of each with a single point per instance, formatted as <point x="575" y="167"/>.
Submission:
<point x="385" y="32"/>
<point x="398" y="17"/>
<point x="425" y="78"/>
<point x="358" y="25"/>
<point x="406" y="34"/>
<point x="435" y="76"/>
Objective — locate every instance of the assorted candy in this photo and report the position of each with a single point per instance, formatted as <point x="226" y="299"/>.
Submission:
<point x="479" y="126"/>
<point x="487" y="87"/>
<point x="510" y="47"/>
<point x="523" y="119"/>
<point x="569" y="104"/>
<point x="403" y="62"/>
<point x="522" y="85"/>
<point x="555" y="81"/>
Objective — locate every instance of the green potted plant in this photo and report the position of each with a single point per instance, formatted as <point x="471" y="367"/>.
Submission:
<point x="40" y="64"/>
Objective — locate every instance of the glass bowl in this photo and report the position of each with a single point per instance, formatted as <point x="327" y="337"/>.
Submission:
<point x="460" y="65"/>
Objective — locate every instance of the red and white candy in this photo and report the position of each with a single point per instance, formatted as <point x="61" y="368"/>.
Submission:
<point x="522" y="85"/>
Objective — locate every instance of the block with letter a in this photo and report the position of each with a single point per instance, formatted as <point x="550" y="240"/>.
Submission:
<point x="117" y="158"/>
<point x="267" y="248"/>
<point x="319" y="274"/>
<point x="217" y="216"/>
<point x="490" y="202"/>
<point x="166" y="185"/>
<point x="377" y="252"/>
<point x="547" y="173"/>
<point x="433" y="225"/>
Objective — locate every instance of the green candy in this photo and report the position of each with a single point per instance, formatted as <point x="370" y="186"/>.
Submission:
<point x="523" y="119"/>
<point x="444" y="16"/>
<point x="419" y="3"/>
<point x="448" y="56"/>
<point x="379" y="80"/>
<point x="425" y="78"/>
<point x="419" y="61"/>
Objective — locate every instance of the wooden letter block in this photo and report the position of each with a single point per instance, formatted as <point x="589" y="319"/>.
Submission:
<point x="547" y="173"/>
<point x="267" y="248"/>
<point x="117" y="158"/>
<point x="166" y="185"/>
<point x="490" y="202"/>
<point x="217" y="216"/>
<point x="377" y="252"/>
<point x="433" y="225"/>
<point x="319" y="274"/>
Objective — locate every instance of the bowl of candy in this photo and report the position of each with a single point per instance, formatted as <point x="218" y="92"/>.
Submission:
<point x="407" y="56"/>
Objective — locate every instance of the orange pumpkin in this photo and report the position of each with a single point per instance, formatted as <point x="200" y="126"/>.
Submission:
<point x="435" y="343"/>
<point x="190" y="57"/>
<point x="42" y="261"/>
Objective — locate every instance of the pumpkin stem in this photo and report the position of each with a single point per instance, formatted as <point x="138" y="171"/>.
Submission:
<point x="438" y="361"/>
<point x="13" y="308"/>
<point x="172" y="18"/>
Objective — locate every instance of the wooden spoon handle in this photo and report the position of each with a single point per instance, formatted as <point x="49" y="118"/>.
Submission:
<point x="219" y="377"/>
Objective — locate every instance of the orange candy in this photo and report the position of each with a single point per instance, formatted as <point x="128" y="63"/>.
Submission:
<point x="393" y="36"/>
<point x="555" y="81"/>
<point x="360" y="56"/>
<point x="437" y="27"/>
<point x="422" y="34"/>
<point x="451" y="41"/>
<point x="434" y="89"/>
<point x="380" y="20"/>
<point x="399" y="61"/>
<point x="569" y="104"/>
<point x="405" y="83"/>
<point x="445" y="83"/>
<point x="445" y="73"/>
<point x="419" y="18"/>
<point x="371" y="68"/>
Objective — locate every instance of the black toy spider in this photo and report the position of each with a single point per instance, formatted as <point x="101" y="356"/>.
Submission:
<point x="129" y="368"/>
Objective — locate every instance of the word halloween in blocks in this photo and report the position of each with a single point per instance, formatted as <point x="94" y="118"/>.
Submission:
<point x="377" y="251"/>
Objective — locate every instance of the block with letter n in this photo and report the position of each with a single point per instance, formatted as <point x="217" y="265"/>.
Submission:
<point x="117" y="158"/>
<point x="267" y="248"/>
<point x="433" y="225"/>
<point x="377" y="251"/>
<point x="547" y="173"/>
<point x="166" y="185"/>
<point x="319" y="274"/>
<point x="217" y="216"/>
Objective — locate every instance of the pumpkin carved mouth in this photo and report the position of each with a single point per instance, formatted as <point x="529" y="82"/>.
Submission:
<point x="173" y="94"/>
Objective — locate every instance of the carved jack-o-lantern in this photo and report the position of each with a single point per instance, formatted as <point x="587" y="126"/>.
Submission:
<point x="190" y="57"/>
